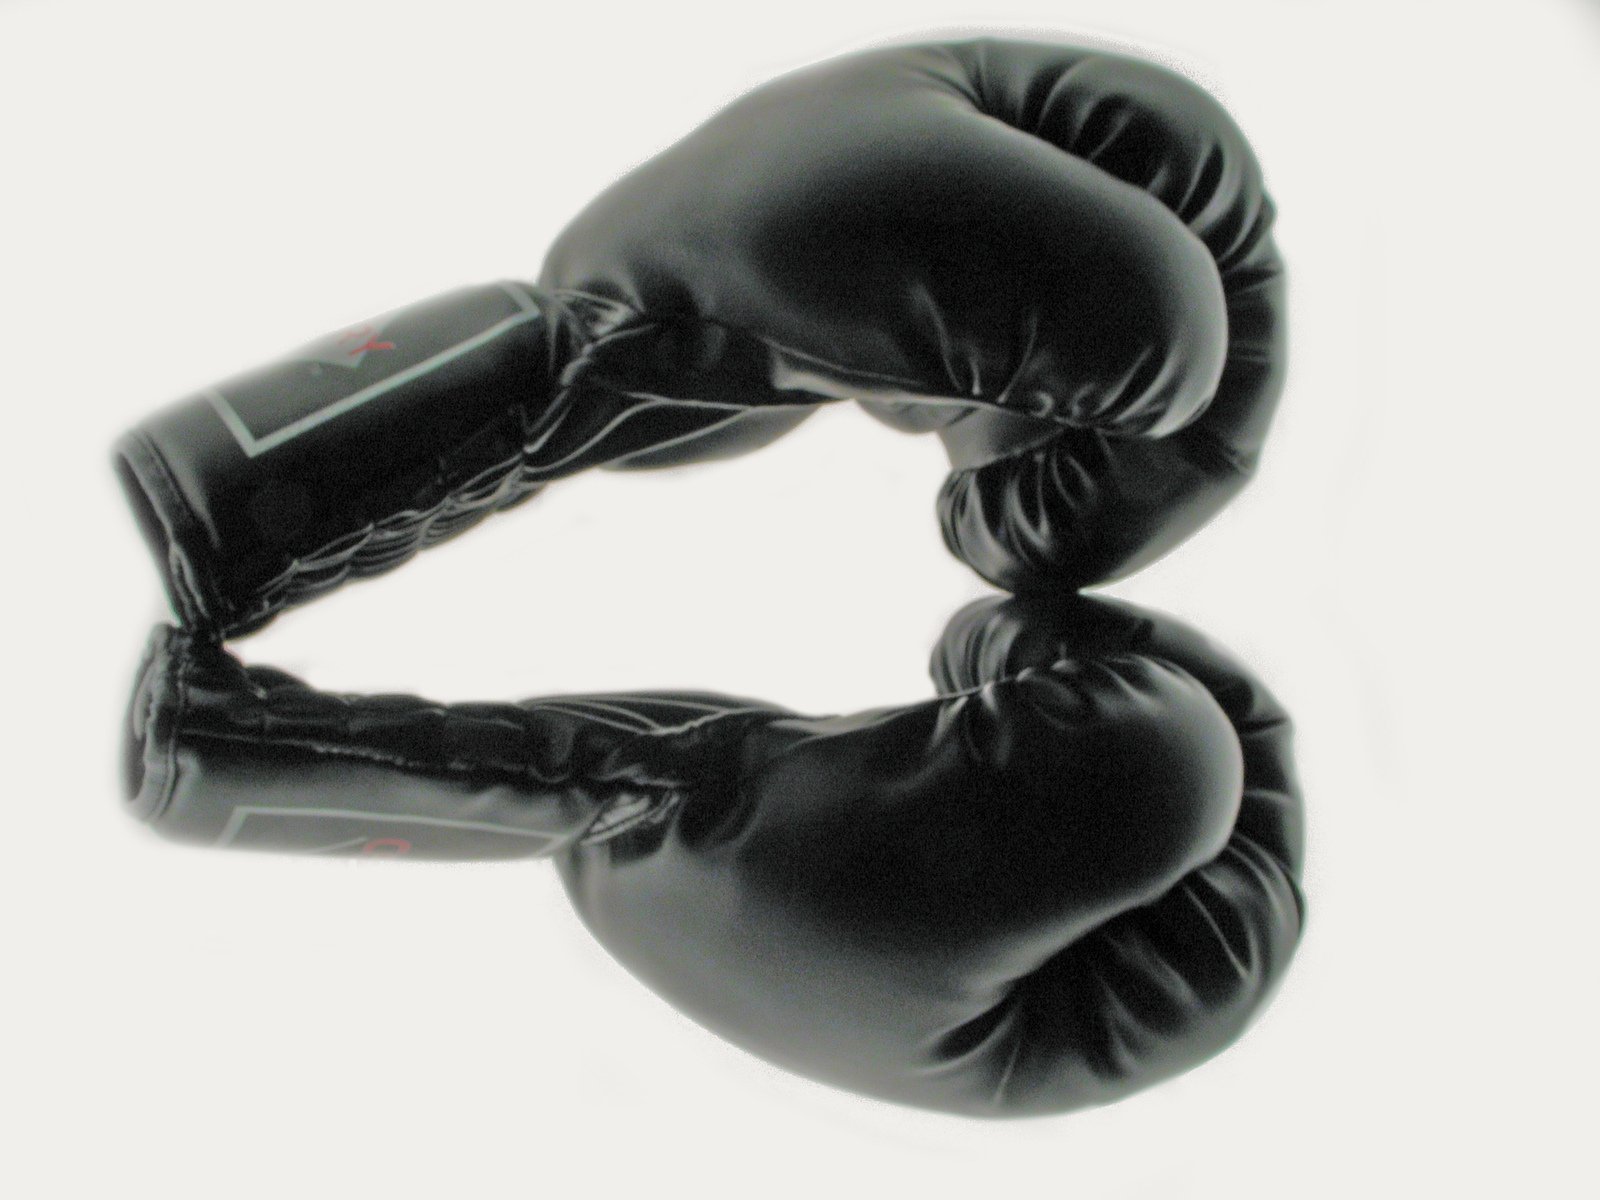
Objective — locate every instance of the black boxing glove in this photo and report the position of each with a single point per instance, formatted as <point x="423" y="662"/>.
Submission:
<point x="1058" y="258"/>
<point x="1071" y="875"/>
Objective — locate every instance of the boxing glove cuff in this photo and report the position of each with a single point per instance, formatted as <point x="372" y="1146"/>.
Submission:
<point x="344" y="457"/>
<point x="223" y="754"/>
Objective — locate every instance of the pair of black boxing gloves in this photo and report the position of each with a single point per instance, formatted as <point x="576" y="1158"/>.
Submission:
<point x="1070" y="874"/>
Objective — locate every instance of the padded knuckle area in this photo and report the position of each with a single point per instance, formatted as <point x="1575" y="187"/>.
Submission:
<point x="1140" y="756"/>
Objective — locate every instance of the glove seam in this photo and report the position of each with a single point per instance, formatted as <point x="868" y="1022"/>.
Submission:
<point x="502" y="770"/>
<point x="291" y="585"/>
<point x="506" y="770"/>
<point x="1271" y="856"/>
<point x="180" y="687"/>
<point x="168" y="696"/>
<point x="413" y="526"/>
<point x="180" y="524"/>
<point x="847" y="373"/>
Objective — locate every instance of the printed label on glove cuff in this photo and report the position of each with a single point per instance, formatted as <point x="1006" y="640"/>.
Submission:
<point x="333" y="375"/>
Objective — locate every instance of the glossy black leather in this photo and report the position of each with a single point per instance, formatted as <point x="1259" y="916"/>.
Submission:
<point x="1058" y="258"/>
<point x="1071" y="873"/>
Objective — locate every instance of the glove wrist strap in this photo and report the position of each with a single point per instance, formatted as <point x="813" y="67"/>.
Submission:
<point x="228" y="755"/>
<point x="344" y="458"/>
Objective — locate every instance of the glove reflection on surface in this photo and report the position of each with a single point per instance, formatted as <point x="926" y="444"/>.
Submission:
<point x="1070" y="875"/>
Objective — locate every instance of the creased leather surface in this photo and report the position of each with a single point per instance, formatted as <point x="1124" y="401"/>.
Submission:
<point x="1070" y="874"/>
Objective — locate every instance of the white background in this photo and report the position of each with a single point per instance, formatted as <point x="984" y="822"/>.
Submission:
<point x="189" y="189"/>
